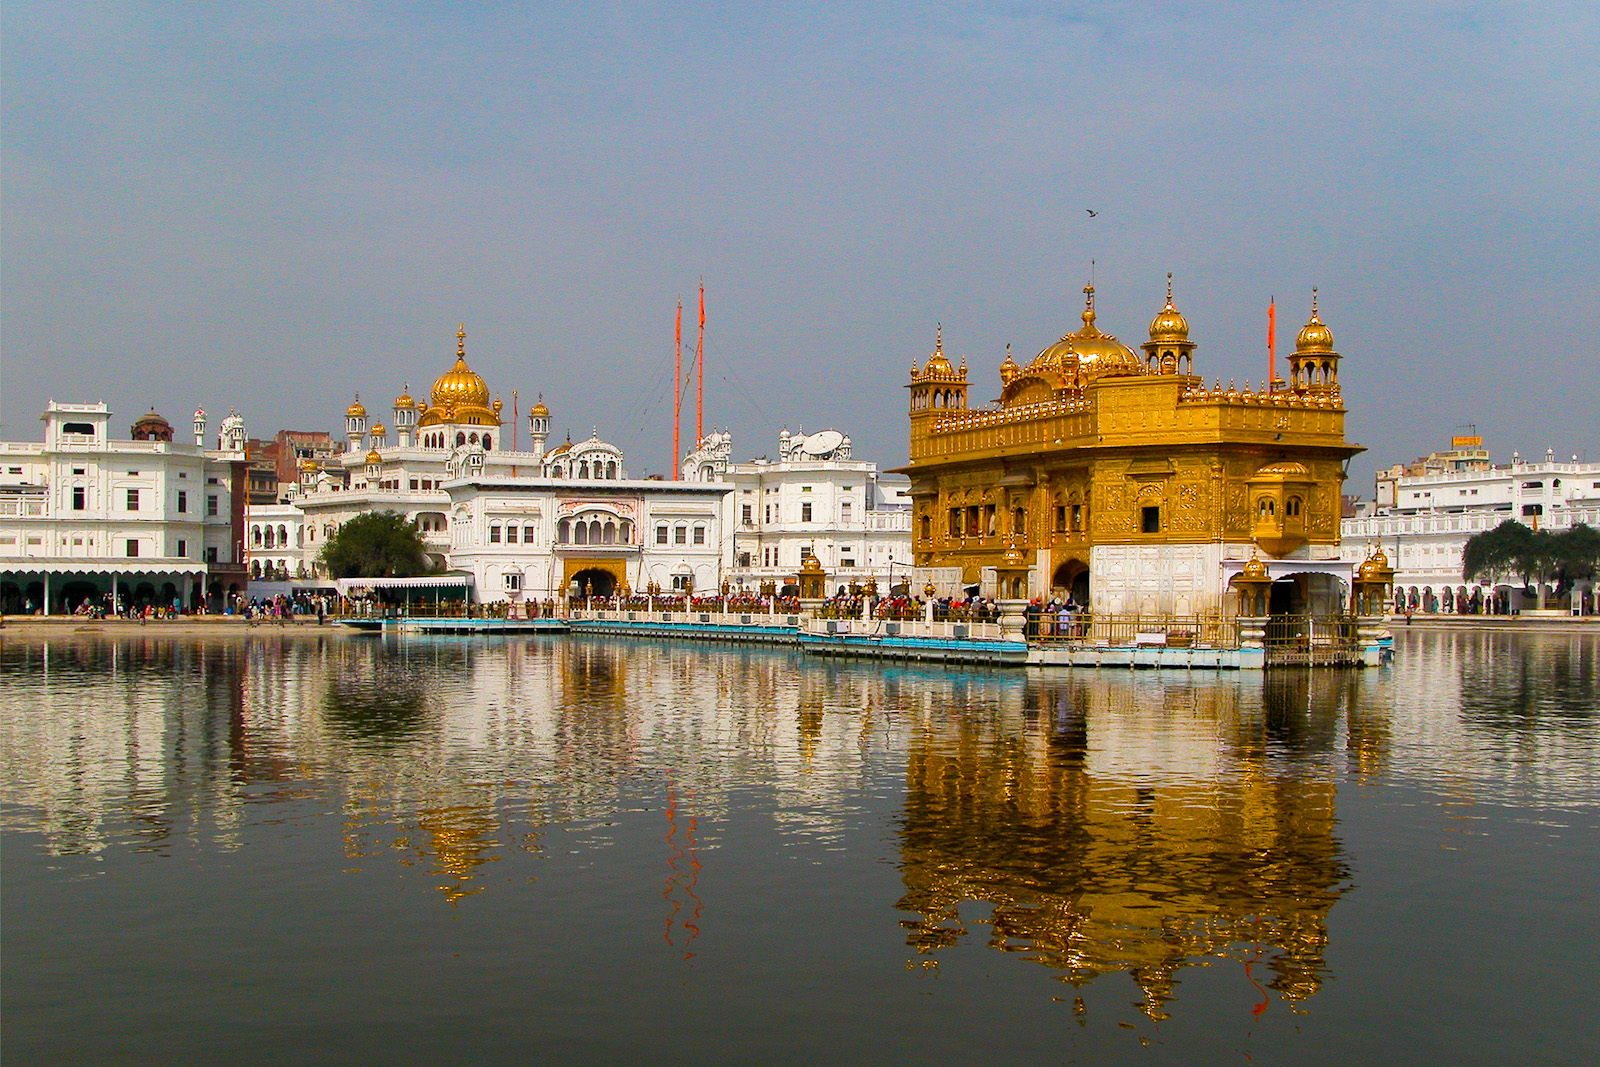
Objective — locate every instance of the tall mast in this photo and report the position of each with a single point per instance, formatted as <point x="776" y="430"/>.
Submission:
<point x="677" y="385"/>
<point x="700" y="371"/>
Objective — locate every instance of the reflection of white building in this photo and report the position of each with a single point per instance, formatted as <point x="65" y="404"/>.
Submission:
<point x="150" y="519"/>
<point x="527" y="524"/>
<point x="813" y="500"/>
<point x="1427" y="510"/>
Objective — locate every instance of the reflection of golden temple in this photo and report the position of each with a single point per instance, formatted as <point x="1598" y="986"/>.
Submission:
<point x="1092" y="870"/>
<point x="463" y="839"/>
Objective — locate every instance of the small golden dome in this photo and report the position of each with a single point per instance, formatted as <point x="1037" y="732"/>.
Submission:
<point x="539" y="411"/>
<point x="373" y="457"/>
<point x="404" y="399"/>
<point x="1255" y="569"/>
<point x="1314" y="336"/>
<point x="937" y="363"/>
<point x="1009" y="369"/>
<point x="356" y="411"/>
<point x="1169" y="324"/>
<point x="1286" y="469"/>
<point x="379" y="429"/>
<point x="811" y="565"/>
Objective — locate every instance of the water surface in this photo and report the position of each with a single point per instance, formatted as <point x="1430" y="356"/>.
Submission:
<point x="344" y="849"/>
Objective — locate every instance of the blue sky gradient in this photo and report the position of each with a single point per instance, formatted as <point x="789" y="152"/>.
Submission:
<point x="273" y="206"/>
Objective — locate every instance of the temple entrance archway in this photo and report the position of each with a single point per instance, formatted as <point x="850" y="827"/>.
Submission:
<point x="593" y="579"/>
<point x="1071" y="578"/>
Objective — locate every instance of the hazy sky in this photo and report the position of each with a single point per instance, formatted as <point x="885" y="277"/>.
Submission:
<point x="274" y="206"/>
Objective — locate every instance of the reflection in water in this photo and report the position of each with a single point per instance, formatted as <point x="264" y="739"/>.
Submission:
<point x="1092" y="822"/>
<point x="1108" y="835"/>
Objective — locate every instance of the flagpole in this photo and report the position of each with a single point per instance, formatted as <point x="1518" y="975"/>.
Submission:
<point x="677" y="384"/>
<point x="1272" y="345"/>
<point x="700" y="371"/>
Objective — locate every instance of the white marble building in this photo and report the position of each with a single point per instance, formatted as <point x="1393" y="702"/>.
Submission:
<point x="527" y="524"/>
<point x="815" y="499"/>
<point x="1426" y="512"/>
<point x="147" y="519"/>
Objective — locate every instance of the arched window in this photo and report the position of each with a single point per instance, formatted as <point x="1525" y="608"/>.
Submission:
<point x="255" y="536"/>
<point x="581" y="531"/>
<point x="487" y="443"/>
<point x="627" y="532"/>
<point x="473" y="438"/>
<point x="283" y="536"/>
<point x="563" y="531"/>
<point x="699" y="533"/>
<point x="611" y="470"/>
<point x="461" y="438"/>
<point x="1292" y="508"/>
<point x="583" y="469"/>
<point x="594" y="531"/>
<point x="608" y="535"/>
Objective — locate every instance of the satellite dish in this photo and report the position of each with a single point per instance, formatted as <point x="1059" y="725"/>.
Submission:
<point x="823" y="442"/>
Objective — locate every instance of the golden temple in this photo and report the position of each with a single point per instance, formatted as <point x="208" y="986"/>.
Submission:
<point x="1121" y="476"/>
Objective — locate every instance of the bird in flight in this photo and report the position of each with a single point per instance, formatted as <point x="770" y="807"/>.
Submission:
<point x="1092" y="212"/>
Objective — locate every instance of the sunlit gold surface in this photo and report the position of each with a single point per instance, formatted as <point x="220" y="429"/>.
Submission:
<point x="1090" y="429"/>
<point x="459" y="395"/>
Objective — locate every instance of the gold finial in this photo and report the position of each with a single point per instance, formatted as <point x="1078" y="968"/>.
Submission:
<point x="1088" y="305"/>
<point x="461" y="341"/>
<point x="938" y="337"/>
<point x="1169" y="288"/>
<point x="1314" y="304"/>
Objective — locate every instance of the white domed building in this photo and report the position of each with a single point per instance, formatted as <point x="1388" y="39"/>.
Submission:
<point x="514" y="524"/>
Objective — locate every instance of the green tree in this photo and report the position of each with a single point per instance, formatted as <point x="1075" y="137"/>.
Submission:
<point x="376" y="544"/>
<point x="1578" y="554"/>
<point x="1512" y="550"/>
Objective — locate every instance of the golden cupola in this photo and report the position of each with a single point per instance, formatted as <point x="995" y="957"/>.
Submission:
<point x="938" y="363"/>
<point x="937" y="385"/>
<point x="356" y="410"/>
<point x="1315" y="337"/>
<point x="1009" y="369"/>
<point x="1169" y="350"/>
<point x="1314" y="367"/>
<point x="459" y="395"/>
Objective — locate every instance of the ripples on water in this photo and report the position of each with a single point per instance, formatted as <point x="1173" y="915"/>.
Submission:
<point x="1085" y="825"/>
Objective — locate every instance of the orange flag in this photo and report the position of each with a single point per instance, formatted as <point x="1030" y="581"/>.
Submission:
<point x="1272" y="342"/>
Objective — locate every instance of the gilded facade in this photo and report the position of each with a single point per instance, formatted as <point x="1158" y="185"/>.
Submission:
<point x="1122" y="478"/>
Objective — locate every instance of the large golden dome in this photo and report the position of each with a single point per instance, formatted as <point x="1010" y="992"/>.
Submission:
<point x="1088" y="352"/>
<point x="459" y="386"/>
<point x="459" y="395"/>
<point x="1314" y="336"/>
